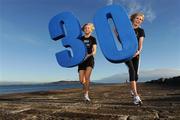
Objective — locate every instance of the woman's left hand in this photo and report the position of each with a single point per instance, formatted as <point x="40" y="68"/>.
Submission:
<point x="137" y="53"/>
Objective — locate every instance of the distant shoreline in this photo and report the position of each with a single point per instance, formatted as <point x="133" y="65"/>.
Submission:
<point x="10" y="89"/>
<point x="26" y="88"/>
<point x="61" y="85"/>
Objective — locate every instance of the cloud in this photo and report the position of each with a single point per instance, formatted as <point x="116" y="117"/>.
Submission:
<point x="149" y="13"/>
<point x="109" y="2"/>
<point x="133" y="6"/>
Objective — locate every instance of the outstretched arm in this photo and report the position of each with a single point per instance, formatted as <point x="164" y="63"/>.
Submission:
<point x="141" y="39"/>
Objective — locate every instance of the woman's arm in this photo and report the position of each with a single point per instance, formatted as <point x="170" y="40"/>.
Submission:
<point x="93" y="50"/>
<point x="141" y="39"/>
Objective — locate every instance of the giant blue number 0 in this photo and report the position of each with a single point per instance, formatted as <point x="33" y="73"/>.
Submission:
<point x="124" y="29"/>
<point x="104" y="34"/>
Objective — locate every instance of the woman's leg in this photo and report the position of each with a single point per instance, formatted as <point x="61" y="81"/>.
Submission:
<point x="82" y="78"/>
<point x="134" y="88"/>
<point x="87" y="79"/>
<point x="132" y="77"/>
<point x="132" y="73"/>
<point x="135" y="62"/>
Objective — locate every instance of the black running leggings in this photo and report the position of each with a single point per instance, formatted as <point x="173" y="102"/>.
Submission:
<point x="133" y="65"/>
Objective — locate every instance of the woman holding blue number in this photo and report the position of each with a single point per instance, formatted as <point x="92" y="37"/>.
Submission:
<point x="133" y="64"/>
<point x="85" y="68"/>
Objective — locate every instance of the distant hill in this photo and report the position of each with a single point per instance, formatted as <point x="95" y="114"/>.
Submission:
<point x="174" y="81"/>
<point x="144" y="76"/>
<point x="62" y="82"/>
<point x="71" y="82"/>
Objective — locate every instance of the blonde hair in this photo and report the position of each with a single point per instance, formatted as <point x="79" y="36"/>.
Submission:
<point x="134" y="15"/>
<point x="91" y="26"/>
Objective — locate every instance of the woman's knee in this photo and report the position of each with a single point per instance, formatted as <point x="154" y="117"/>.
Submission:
<point x="87" y="78"/>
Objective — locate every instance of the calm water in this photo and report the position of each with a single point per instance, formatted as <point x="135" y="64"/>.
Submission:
<point x="32" y="88"/>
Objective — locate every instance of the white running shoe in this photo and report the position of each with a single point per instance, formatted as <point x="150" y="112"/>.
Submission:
<point x="86" y="97"/>
<point x="137" y="100"/>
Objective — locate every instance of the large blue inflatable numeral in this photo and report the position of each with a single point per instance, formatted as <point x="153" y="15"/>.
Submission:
<point x="105" y="36"/>
<point x="67" y="27"/>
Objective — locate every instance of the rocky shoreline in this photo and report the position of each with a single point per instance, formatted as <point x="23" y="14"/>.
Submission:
<point x="109" y="102"/>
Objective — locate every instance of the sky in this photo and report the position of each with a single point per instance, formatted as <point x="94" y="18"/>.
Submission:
<point x="27" y="52"/>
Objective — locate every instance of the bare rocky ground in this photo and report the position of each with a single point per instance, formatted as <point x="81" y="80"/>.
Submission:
<point x="109" y="102"/>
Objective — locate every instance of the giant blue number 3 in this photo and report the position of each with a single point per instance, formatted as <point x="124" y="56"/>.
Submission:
<point x="66" y="27"/>
<point x="106" y="40"/>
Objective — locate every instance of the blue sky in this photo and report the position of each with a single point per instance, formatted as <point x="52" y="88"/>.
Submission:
<point x="27" y="52"/>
